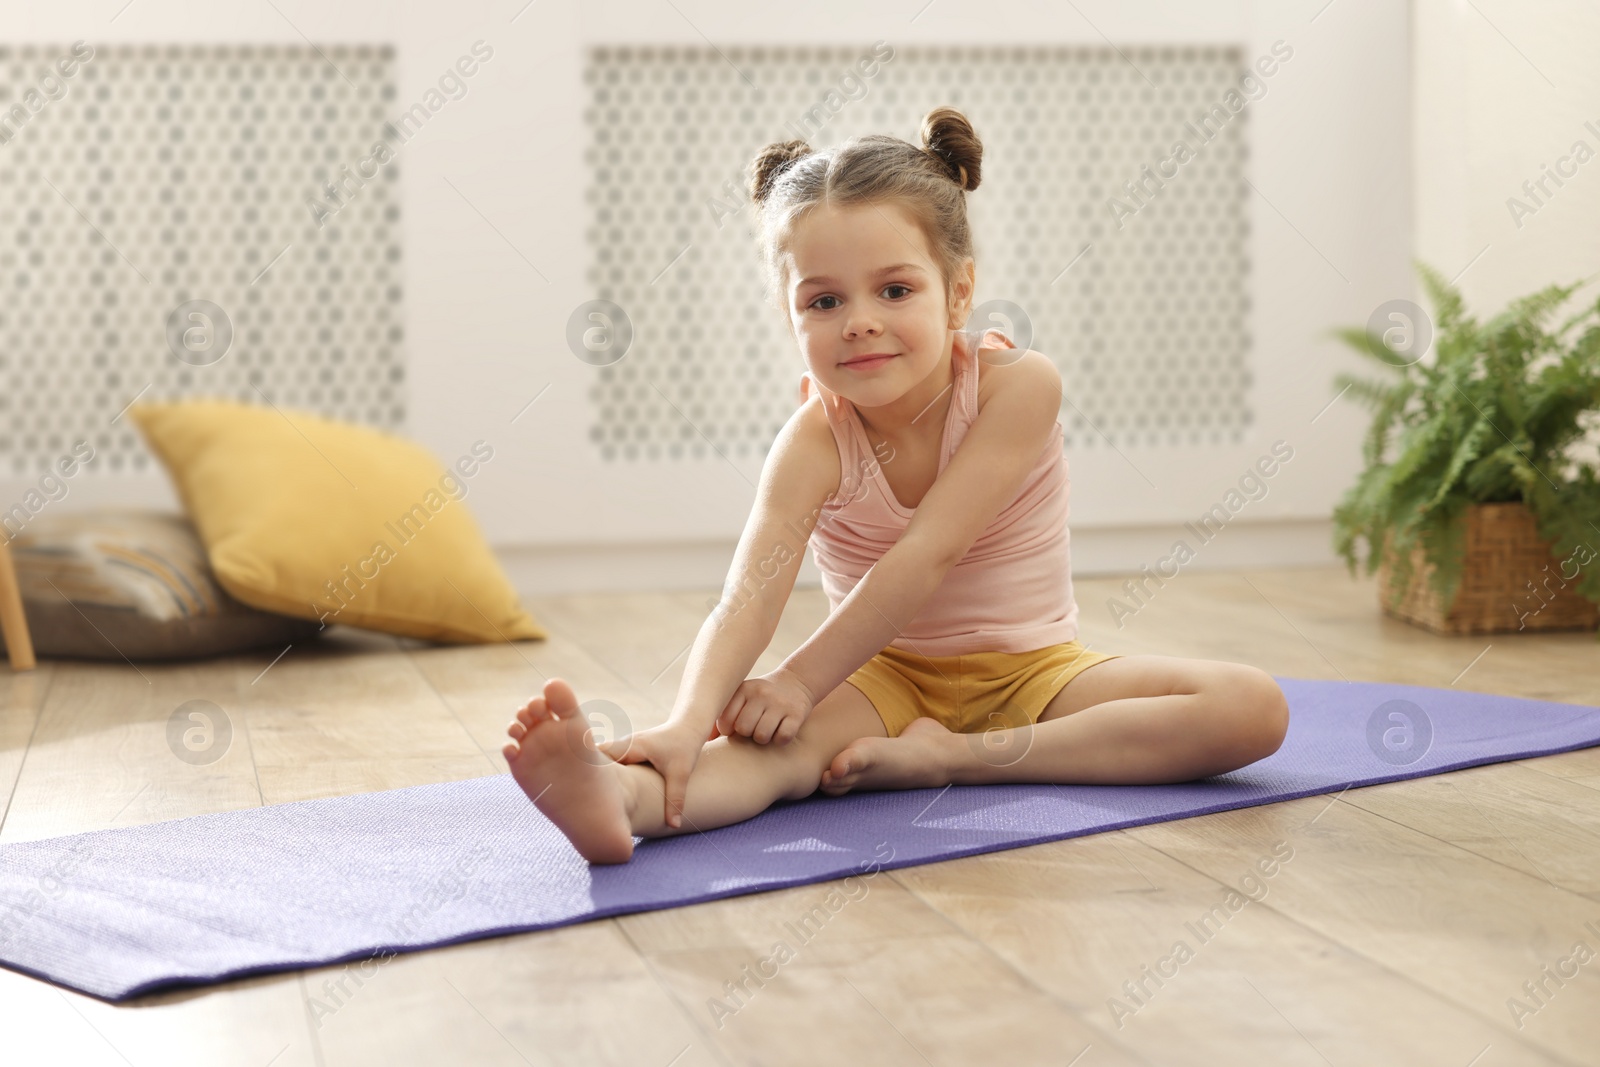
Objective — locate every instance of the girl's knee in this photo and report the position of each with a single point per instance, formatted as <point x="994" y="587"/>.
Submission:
<point x="806" y="768"/>
<point x="1263" y="708"/>
<point x="833" y="725"/>
<point x="798" y="765"/>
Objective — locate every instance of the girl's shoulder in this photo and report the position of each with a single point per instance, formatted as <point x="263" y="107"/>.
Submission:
<point x="996" y="353"/>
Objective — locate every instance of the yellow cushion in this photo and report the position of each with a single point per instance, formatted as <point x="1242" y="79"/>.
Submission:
<point x="325" y="520"/>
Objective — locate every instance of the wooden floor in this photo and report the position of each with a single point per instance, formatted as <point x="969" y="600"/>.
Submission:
<point x="1405" y="919"/>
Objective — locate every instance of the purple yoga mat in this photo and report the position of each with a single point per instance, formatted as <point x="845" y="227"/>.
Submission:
<point x="116" y="913"/>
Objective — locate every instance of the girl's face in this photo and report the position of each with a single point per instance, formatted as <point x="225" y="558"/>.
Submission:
<point x="863" y="284"/>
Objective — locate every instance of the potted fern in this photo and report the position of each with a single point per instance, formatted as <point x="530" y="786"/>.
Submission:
<point x="1478" y="506"/>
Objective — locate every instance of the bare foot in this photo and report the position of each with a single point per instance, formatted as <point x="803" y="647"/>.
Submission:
<point x="916" y="759"/>
<point x="577" y="787"/>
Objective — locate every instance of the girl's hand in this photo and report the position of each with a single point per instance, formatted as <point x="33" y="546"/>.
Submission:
<point x="671" y="749"/>
<point x="769" y="708"/>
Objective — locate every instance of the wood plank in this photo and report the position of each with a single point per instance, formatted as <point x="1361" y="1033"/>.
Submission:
<point x="1535" y="823"/>
<point x="940" y="1000"/>
<point x="1205" y="616"/>
<point x="249" y="1023"/>
<point x="1583" y="763"/>
<point x="577" y="994"/>
<point x="1331" y="627"/>
<point x="1470" y="930"/>
<point x="102" y="755"/>
<point x="1098" y="922"/>
<point x="805" y="611"/>
<point x="353" y="715"/>
<point x="484" y="685"/>
<point x="642" y="638"/>
<point x="22" y="697"/>
<point x="857" y="971"/>
<point x="893" y="979"/>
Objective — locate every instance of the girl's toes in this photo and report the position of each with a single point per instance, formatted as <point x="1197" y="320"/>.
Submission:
<point x="838" y="777"/>
<point x="511" y="751"/>
<point x="517" y="731"/>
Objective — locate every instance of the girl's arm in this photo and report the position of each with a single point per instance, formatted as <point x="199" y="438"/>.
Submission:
<point x="801" y="471"/>
<point x="984" y="475"/>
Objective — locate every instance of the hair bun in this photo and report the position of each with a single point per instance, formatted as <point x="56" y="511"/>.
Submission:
<point x="770" y="163"/>
<point x="950" y="139"/>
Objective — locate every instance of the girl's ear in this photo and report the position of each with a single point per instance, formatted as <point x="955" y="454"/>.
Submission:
<point x="961" y="290"/>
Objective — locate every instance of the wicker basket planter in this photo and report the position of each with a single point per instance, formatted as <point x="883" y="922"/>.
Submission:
<point x="1511" y="582"/>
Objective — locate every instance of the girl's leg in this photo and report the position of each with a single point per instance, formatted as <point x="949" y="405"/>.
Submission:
<point x="1135" y="720"/>
<point x="600" y="804"/>
<point x="737" y="778"/>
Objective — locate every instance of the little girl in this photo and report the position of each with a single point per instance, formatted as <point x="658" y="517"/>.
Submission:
<point x="927" y="467"/>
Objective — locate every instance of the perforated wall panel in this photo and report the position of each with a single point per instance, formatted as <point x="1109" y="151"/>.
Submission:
<point x="1147" y="320"/>
<point x="164" y="176"/>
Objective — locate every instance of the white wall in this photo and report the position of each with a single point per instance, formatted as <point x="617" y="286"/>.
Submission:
<point x="1501" y="92"/>
<point x="485" y="334"/>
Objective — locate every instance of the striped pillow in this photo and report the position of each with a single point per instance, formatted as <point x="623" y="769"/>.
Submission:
<point x="133" y="585"/>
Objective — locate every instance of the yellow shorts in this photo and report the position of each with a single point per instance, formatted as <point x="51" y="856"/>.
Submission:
<point x="973" y="692"/>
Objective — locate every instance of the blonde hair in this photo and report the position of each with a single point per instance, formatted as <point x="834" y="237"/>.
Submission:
<point x="788" y="179"/>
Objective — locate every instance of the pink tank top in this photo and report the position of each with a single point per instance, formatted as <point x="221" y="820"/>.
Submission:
<point x="1011" y="592"/>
